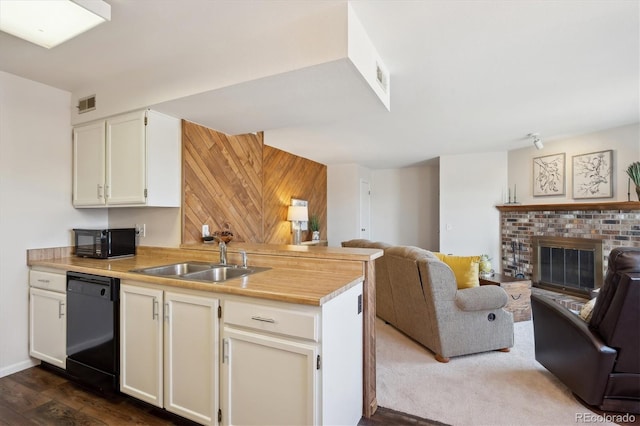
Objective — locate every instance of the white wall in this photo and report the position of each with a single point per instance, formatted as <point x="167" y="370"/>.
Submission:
<point x="624" y="141"/>
<point x="343" y="202"/>
<point x="404" y="206"/>
<point x="471" y="186"/>
<point x="163" y="224"/>
<point x="35" y="199"/>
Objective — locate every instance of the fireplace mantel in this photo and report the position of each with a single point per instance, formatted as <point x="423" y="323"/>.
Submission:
<point x="616" y="205"/>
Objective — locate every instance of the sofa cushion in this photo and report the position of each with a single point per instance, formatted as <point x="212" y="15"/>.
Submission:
<point x="465" y="269"/>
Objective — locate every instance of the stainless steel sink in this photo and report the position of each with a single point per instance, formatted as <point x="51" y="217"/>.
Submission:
<point x="199" y="271"/>
<point x="222" y="273"/>
<point x="175" y="269"/>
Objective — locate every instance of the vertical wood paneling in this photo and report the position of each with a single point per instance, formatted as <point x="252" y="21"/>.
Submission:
<point x="240" y="181"/>
<point x="222" y="183"/>
<point x="288" y="176"/>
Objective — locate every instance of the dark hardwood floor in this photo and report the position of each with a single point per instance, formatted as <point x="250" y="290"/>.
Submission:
<point x="38" y="396"/>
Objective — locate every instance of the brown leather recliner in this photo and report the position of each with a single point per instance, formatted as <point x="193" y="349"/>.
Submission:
<point x="600" y="360"/>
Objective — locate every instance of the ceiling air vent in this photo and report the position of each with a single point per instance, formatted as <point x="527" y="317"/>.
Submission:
<point x="86" y="104"/>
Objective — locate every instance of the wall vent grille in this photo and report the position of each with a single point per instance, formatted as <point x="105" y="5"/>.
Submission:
<point x="87" y="104"/>
<point x="382" y="77"/>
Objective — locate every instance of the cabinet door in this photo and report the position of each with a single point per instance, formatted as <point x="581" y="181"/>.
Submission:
<point x="126" y="177"/>
<point x="141" y="357"/>
<point x="48" y="326"/>
<point x="191" y="357"/>
<point x="267" y="380"/>
<point x="89" y="165"/>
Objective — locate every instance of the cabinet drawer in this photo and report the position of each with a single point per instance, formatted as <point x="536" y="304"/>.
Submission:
<point x="274" y="320"/>
<point x="48" y="281"/>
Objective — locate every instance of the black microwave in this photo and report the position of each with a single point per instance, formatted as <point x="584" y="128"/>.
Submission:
<point x="105" y="243"/>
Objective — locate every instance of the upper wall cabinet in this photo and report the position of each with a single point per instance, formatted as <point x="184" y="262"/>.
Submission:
<point x="129" y="160"/>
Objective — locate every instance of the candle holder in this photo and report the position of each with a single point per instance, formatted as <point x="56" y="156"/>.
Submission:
<point x="515" y="200"/>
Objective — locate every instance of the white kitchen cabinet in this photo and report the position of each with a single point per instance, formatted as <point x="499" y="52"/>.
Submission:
<point x="128" y="160"/>
<point x="47" y="317"/>
<point x="141" y="343"/>
<point x="267" y="380"/>
<point x="169" y="351"/>
<point x="191" y="356"/>
<point x="292" y="364"/>
<point x="89" y="164"/>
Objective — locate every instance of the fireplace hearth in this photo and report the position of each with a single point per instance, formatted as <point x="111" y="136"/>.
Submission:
<point x="569" y="265"/>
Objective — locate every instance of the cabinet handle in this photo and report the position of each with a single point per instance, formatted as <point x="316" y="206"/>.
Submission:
<point x="154" y="312"/>
<point x="166" y="311"/>
<point x="107" y="191"/>
<point x="271" y="320"/>
<point x="99" y="191"/>
<point x="225" y="350"/>
<point x="60" y="310"/>
<point x="40" y="280"/>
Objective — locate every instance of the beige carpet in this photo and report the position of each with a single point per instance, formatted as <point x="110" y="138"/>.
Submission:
<point x="492" y="388"/>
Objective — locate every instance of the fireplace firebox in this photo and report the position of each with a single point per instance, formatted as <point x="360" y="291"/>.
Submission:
<point x="569" y="265"/>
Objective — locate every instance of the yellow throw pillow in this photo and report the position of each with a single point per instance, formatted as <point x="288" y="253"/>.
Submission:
<point x="465" y="269"/>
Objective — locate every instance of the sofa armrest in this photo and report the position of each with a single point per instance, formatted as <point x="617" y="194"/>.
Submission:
<point x="566" y="346"/>
<point x="482" y="298"/>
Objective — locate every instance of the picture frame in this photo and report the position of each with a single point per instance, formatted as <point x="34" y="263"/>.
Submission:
<point x="593" y="175"/>
<point x="549" y="178"/>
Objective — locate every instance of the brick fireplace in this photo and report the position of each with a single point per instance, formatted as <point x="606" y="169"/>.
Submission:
<point x="615" y="224"/>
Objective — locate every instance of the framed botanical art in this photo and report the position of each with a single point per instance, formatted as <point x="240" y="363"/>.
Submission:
<point x="548" y="175"/>
<point x="593" y="174"/>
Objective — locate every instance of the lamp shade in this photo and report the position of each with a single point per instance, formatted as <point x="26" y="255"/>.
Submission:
<point x="298" y="213"/>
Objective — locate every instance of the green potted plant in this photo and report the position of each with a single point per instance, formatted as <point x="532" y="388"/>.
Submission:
<point x="485" y="265"/>
<point x="314" y="227"/>
<point x="634" y="174"/>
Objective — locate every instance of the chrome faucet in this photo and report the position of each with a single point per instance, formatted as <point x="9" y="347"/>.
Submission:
<point x="223" y="250"/>
<point x="244" y="258"/>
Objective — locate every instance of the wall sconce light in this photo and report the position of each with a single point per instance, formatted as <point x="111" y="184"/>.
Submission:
<point x="537" y="142"/>
<point x="296" y="215"/>
<point x="49" y="23"/>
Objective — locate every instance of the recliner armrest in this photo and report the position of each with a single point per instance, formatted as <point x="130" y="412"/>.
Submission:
<point x="482" y="298"/>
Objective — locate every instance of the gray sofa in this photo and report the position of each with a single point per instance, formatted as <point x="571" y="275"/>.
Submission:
<point x="420" y="298"/>
<point x="384" y="296"/>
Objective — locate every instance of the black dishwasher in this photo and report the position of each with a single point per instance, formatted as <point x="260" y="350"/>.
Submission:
<point x="92" y="330"/>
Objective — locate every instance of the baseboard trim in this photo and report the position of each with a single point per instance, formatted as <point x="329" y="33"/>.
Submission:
<point x="5" y="371"/>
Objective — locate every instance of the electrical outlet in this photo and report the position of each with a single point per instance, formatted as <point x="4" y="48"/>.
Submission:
<point x="205" y="230"/>
<point x="141" y="230"/>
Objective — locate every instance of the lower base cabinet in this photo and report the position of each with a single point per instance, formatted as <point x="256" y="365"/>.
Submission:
<point x="48" y="317"/>
<point x="169" y="351"/>
<point x="286" y="364"/>
<point x="274" y="363"/>
<point x="268" y="378"/>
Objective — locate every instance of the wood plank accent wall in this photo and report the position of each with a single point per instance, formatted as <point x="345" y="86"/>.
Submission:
<point x="222" y="183"/>
<point x="237" y="180"/>
<point x="288" y="176"/>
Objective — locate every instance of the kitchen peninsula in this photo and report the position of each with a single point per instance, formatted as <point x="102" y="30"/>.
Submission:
<point x="314" y="285"/>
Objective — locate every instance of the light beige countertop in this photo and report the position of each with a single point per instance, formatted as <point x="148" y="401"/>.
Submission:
<point x="298" y="274"/>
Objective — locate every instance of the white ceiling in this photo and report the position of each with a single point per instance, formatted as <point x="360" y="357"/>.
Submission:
<point x="466" y="76"/>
